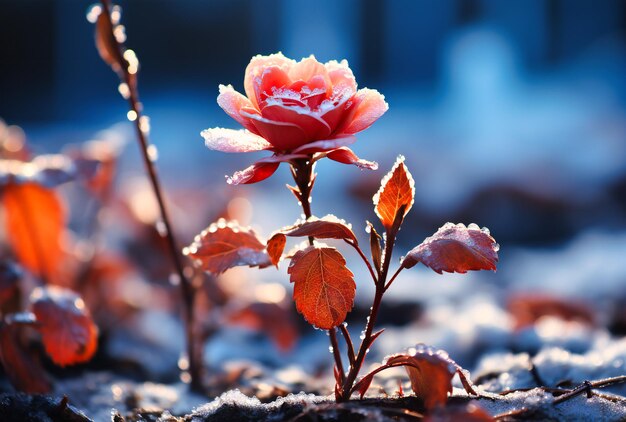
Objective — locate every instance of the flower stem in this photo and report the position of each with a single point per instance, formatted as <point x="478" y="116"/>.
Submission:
<point x="196" y="368"/>
<point x="303" y="175"/>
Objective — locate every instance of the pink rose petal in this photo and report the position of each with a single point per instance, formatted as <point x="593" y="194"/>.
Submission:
<point x="346" y="156"/>
<point x="313" y="126"/>
<point x="256" y="67"/>
<point x="272" y="79"/>
<point x="283" y="136"/>
<point x="369" y="106"/>
<point x="341" y="75"/>
<point x="325" y="145"/>
<point x="308" y="68"/>
<point x="253" y="174"/>
<point x="232" y="103"/>
<point x="229" y="140"/>
<point x="336" y="114"/>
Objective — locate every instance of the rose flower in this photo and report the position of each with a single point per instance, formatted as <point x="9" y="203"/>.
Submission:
<point x="296" y="110"/>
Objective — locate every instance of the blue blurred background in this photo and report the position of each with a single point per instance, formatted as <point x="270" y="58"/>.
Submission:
<point x="511" y="114"/>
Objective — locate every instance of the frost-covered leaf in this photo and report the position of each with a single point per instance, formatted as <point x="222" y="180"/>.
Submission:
<point x="35" y="220"/>
<point x="397" y="191"/>
<point x="24" y="372"/>
<point x="456" y="248"/>
<point x="67" y="330"/>
<point x="346" y="156"/>
<point x="225" y="245"/>
<point x="324" y="287"/>
<point x="327" y="227"/>
<point x="430" y="372"/>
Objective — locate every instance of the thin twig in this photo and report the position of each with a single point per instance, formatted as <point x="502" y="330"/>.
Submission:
<point x="587" y="386"/>
<point x="393" y="277"/>
<point x="364" y="258"/>
<point x="188" y="291"/>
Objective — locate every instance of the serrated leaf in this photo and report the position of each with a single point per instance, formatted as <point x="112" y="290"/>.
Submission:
<point x="324" y="287"/>
<point x="225" y="245"/>
<point x="430" y="373"/>
<point x="397" y="190"/>
<point x="35" y="220"/>
<point x="24" y="372"/>
<point x="456" y="248"/>
<point x="327" y="227"/>
<point x="67" y="330"/>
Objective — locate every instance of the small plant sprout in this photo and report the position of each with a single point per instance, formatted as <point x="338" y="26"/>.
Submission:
<point x="303" y="112"/>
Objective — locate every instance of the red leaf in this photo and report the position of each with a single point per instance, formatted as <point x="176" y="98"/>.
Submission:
<point x="269" y="318"/>
<point x="67" y="329"/>
<point x="346" y="156"/>
<point x="224" y="245"/>
<point x="253" y="174"/>
<point x="327" y="227"/>
<point x="324" y="287"/>
<point x="375" y="246"/>
<point x="397" y="189"/>
<point x="430" y="372"/>
<point x="275" y="247"/>
<point x="456" y="248"/>
<point x="35" y="221"/>
<point x="24" y="372"/>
